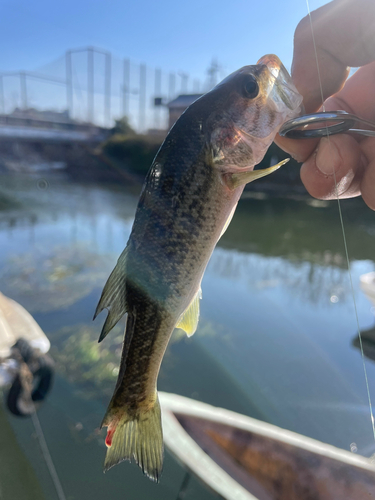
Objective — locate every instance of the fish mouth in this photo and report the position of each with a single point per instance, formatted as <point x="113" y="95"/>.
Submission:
<point x="280" y="87"/>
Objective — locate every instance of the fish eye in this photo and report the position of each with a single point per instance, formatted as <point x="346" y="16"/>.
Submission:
<point x="251" y="87"/>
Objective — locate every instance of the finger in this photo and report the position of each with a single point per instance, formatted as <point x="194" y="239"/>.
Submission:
<point x="368" y="179"/>
<point x="357" y="97"/>
<point x="358" y="94"/>
<point x="344" y="153"/>
<point x="344" y="35"/>
<point x="299" y="149"/>
<point x="334" y="169"/>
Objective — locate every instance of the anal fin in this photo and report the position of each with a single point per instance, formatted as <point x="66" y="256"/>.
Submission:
<point x="190" y="318"/>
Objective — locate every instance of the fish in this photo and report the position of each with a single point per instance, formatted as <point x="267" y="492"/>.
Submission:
<point x="187" y="201"/>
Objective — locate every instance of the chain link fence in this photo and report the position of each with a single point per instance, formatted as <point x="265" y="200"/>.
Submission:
<point x="90" y="85"/>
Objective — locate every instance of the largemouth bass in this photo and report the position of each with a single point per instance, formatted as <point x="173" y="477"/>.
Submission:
<point x="188" y="199"/>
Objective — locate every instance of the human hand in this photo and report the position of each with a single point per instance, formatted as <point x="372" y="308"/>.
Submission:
<point x="344" y="32"/>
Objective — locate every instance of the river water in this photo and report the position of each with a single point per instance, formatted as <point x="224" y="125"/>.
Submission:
<point x="277" y="338"/>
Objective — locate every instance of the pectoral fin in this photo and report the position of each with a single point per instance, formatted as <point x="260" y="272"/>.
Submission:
<point x="189" y="319"/>
<point x="241" y="178"/>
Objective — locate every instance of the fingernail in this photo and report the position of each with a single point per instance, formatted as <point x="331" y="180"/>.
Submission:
<point x="328" y="159"/>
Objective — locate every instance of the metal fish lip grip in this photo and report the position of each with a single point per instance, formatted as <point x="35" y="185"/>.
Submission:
<point x="331" y="123"/>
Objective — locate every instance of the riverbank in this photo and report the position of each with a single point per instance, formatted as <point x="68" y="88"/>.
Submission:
<point x="133" y="155"/>
<point x="125" y="159"/>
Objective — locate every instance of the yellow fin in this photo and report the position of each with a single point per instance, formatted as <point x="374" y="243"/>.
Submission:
<point x="240" y="178"/>
<point x="189" y="319"/>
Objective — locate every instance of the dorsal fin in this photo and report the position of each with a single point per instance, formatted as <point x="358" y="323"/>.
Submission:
<point x="189" y="319"/>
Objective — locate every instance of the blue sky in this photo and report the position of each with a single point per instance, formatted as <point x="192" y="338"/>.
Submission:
<point x="171" y="34"/>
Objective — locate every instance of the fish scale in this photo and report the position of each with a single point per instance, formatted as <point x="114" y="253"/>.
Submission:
<point x="187" y="201"/>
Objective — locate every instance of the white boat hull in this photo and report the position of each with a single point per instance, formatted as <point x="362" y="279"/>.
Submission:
<point x="245" y="459"/>
<point x="15" y="323"/>
<point x="367" y="282"/>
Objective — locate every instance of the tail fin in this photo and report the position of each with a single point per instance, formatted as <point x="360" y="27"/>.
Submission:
<point x="113" y="296"/>
<point x="141" y="439"/>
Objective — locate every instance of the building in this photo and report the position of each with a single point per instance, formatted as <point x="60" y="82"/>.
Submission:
<point x="178" y="106"/>
<point x="43" y="116"/>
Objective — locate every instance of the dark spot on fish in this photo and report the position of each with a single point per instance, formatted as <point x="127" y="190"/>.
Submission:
<point x="256" y="116"/>
<point x="271" y="117"/>
<point x="175" y="201"/>
<point x="193" y="205"/>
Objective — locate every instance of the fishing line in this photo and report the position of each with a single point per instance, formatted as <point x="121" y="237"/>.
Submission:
<point x="343" y="232"/>
<point x="46" y="455"/>
<point x="26" y="378"/>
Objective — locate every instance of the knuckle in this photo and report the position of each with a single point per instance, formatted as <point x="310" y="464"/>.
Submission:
<point x="302" y="31"/>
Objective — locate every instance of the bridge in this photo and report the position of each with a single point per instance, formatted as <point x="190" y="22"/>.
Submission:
<point x="24" y="128"/>
<point x="31" y="141"/>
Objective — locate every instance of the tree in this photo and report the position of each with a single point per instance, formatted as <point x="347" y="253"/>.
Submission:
<point x="122" y="127"/>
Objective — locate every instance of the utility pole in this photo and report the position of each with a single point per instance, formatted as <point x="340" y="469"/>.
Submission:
<point x="212" y="72"/>
<point x="69" y="82"/>
<point x="142" y="97"/>
<point x="126" y="88"/>
<point x="23" y="85"/>
<point x="157" y="94"/>
<point x="107" y="103"/>
<point x="90" y="84"/>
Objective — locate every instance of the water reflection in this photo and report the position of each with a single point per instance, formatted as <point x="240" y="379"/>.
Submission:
<point x="48" y="279"/>
<point x="275" y="339"/>
<point x="298" y="231"/>
<point x="314" y="282"/>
